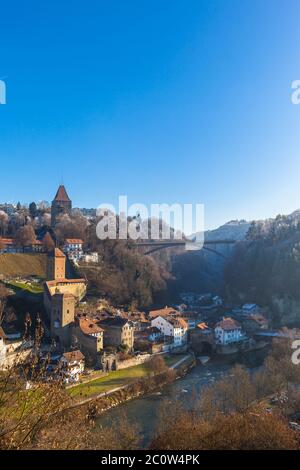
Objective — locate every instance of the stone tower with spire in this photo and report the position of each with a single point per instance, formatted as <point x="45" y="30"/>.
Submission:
<point x="61" y="205"/>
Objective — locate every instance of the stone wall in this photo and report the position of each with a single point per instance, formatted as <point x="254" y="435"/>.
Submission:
<point x="134" y="361"/>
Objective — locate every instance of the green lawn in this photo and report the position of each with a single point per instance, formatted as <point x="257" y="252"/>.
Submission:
<point x="33" y="288"/>
<point x="114" y="379"/>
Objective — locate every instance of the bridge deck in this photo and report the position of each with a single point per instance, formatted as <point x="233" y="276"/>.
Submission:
<point x="182" y="242"/>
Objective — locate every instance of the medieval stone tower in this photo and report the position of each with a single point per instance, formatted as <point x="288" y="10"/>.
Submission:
<point x="61" y="204"/>
<point x="62" y="318"/>
<point x="56" y="265"/>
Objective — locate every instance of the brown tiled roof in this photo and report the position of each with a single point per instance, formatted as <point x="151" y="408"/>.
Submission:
<point x="89" y="326"/>
<point x="73" y="356"/>
<point x="74" y="240"/>
<point x="202" y="326"/>
<point x="163" y="312"/>
<point x="229" y="324"/>
<point x="182" y="323"/>
<point x="62" y="195"/>
<point x="178" y="322"/>
<point x="7" y="241"/>
<point x="58" y="253"/>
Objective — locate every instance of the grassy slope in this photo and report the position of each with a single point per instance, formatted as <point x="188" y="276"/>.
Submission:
<point x="32" y="288"/>
<point x="104" y="384"/>
<point x="23" y="264"/>
<point x="115" y="379"/>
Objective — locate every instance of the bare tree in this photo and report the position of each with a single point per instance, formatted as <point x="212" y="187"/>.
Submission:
<point x="3" y="223"/>
<point x="74" y="226"/>
<point x="48" y="242"/>
<point x="25" y="236"/>
<point x="156" y="365"/>
<point x="46" y="219"/>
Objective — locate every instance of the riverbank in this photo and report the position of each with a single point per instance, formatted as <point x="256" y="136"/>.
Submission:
<point x="126" y="384"/>
<point x="144" y="410"/>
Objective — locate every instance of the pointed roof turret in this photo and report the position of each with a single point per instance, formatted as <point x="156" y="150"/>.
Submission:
<point x="61" y="194"/>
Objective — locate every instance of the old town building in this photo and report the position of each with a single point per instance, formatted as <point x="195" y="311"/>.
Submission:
<point x="118" y="331"/>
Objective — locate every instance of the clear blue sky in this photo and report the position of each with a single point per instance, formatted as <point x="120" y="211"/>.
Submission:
<point x="165" y="101"/>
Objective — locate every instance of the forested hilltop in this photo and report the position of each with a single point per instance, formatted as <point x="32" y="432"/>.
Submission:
<point x="266" y="268"/>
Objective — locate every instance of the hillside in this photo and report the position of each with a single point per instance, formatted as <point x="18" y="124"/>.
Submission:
<point x="266" y="268"/>
<point x="233" y="230"/>
<point x="23" y="264"/>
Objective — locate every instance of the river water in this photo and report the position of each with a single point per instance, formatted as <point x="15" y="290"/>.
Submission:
<point x="144" y="410"/>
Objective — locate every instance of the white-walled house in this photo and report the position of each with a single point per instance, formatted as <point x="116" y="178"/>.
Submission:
<point x="72" y="365"/>
<point x="173" y="327"/>
<point x="228" y="331"/>
<point x="73" y="248"/>
<point x="92" y="257"/>
<point x="13" y="349"/>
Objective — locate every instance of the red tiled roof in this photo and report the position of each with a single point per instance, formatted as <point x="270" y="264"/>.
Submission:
<point x="74" y="241"/>
<point x="89" y="326"/>
<point x="163" y="312"/>
<point x="178" y="322"/>
<point x="202" y="326"/>
<point x="182" y="322"/>
<point x="62" y="195"/>
<point x="73" y="356"/>
<point x="7" y="241"/>
<point x="229" y="324"/>
<point x="58" y="253"/>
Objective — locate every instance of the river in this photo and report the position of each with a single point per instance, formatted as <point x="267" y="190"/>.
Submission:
<point x="143" y="411"/>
